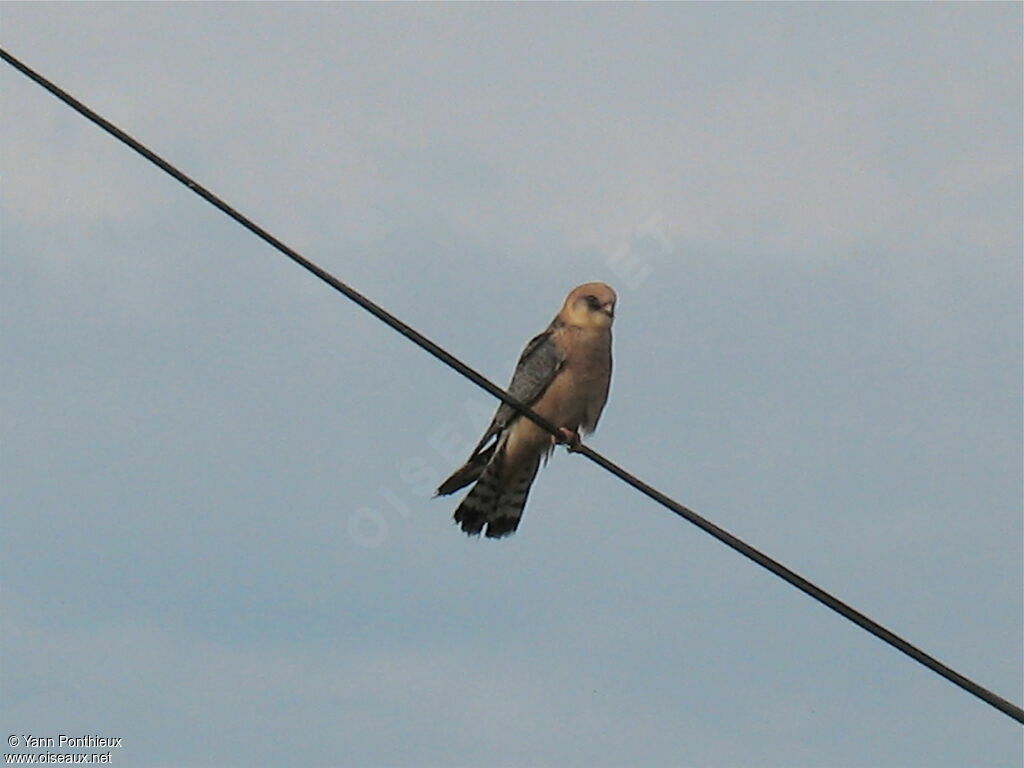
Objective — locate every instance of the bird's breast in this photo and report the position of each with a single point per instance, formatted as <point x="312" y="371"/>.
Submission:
<point x="577" y="395"/>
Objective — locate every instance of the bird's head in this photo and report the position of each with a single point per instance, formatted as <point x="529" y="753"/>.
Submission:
<point x="591" y="305"/>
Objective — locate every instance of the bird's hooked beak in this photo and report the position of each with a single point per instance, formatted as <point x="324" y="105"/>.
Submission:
<point x="609" y="309"/>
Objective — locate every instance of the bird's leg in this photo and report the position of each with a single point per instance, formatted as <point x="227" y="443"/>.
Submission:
<point x="570" y="439"/>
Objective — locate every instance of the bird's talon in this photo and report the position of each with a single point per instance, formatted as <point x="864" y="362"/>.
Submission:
<point x="570" y="439"/>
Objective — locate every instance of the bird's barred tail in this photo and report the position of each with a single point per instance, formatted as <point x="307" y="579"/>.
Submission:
<point x="495" y="504"/>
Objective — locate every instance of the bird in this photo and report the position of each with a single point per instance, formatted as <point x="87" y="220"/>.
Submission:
<point x="564" y="375"/>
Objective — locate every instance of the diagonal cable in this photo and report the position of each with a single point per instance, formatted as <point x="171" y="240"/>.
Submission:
<point x="451" y="361"/>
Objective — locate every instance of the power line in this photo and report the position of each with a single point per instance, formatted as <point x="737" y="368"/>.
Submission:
<point x="450" y="360"/>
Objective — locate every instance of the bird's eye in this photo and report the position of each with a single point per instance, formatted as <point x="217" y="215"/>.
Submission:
<point x="592" y="302"/>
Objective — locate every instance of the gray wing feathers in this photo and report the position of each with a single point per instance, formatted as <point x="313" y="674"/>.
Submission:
<point x="537" y="366"/>
<point x="540" y="362"/>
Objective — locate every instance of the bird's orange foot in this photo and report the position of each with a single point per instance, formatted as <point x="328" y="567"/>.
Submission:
<point x="570" y="439"/>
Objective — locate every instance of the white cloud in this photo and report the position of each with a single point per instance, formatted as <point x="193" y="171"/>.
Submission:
<point x="814" y="218"/>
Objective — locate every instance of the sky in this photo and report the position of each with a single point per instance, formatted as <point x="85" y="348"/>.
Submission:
<point x="218" y="539"/>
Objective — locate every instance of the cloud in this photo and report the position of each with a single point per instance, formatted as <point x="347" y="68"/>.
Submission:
<point x="813" y="219"/>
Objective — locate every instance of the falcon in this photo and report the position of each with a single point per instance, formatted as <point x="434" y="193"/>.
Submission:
<point x="563" y="374"/>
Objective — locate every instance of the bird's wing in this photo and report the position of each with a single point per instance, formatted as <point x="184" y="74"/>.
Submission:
<point x="538" y="365"/>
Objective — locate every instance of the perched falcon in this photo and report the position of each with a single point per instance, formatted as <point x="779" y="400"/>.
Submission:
<point x="563" y="374"/>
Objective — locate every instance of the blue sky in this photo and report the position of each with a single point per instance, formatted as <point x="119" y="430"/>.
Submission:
<point x="218" y="542"/>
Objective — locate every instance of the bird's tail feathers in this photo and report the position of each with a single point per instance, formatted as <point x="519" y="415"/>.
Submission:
<point x="495" y="504"/>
